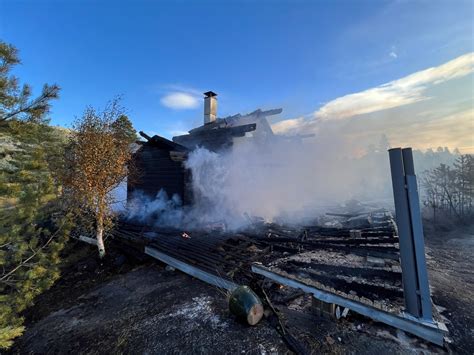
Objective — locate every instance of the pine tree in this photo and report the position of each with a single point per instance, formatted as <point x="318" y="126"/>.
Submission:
<point x="33" y="227"/>
<point x="124" y="129"/>
<point x="16" y="101"/>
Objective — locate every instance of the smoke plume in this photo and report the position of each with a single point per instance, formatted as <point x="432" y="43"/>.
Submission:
<point x="279" y="179"/>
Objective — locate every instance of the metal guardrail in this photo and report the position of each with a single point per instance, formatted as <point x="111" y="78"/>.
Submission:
<point x="191" y="270"/>
<point x="410" y="232"/>
<point x="431" y="331"/>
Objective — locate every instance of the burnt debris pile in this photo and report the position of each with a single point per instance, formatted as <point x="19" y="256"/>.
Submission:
<point x="361" y="263"/>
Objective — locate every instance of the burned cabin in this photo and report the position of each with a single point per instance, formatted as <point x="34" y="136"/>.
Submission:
<point x="217" y="134"/>
<point x="159" y="161"/>
<point x="159" y="165"/>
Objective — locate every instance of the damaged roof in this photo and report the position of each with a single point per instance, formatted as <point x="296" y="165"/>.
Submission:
<point x="220" y="133"/>
<point x="161" y="142"/>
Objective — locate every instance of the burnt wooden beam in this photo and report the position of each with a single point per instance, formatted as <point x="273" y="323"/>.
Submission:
<point x="144" y="135"/>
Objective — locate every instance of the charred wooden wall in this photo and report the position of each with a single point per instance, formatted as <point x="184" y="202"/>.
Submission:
<point x="156" y="170"/>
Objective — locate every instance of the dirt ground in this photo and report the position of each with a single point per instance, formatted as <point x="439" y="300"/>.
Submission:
<point x="451" y="271"/>
<point x="124" y="306"/>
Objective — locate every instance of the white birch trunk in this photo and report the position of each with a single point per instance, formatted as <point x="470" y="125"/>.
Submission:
<point x="100" y="241"/>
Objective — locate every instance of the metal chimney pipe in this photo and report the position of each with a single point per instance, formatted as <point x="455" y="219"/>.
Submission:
<point x="210" y="107"/>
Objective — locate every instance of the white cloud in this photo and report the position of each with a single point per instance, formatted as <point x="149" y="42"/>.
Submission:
<point x="396" y="93"/>
<point x="182" y="88"/>
<point x="453" y="130"/>
<point x="442" y="116"/>
<point x="393" y="52"/>
<point x="180" y="100"/>
<point x="287" y="126"/>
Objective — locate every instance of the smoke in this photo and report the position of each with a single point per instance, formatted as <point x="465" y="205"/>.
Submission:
<point x="277" y="178"/>
<point x="284" y="180"/>
<point x="161" y="210"/>
<point x="280" y="179"/>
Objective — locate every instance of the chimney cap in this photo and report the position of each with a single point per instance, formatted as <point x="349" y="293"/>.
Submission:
<point x="210" y="94"/>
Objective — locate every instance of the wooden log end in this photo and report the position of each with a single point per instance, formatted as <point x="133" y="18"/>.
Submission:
<point x="255" y="314"/>
<point x="246" y="305"/>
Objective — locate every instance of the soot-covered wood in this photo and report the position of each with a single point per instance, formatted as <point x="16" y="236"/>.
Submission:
<point x="156" y="170"/>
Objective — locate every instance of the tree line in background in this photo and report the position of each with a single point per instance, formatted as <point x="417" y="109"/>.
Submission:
<point x="448" y="190"/>
<point x="50" y="178"/>
<point x="374" y="164"/>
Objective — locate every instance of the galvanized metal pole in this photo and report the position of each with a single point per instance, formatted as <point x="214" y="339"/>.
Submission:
<point x="417" y="234"/>
<point x="402" y="216"/>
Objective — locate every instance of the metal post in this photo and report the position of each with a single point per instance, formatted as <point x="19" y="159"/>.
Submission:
<point x="402" y="214"/>
<point x="417" y="234"/>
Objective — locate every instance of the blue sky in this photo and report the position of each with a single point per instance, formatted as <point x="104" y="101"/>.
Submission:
<point x="299" y="55"/>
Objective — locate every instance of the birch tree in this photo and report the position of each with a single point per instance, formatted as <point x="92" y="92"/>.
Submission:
<point x="98" y="160"/>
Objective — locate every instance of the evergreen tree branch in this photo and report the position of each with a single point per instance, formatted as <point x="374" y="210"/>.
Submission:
<point x="39" y="104"/>
<point x="25" y="262"/>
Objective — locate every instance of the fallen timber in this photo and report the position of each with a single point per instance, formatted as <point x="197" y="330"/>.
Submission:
<point x="296" y="257"/>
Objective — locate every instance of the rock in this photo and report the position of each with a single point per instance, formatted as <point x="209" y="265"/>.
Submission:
<point x="169" y="268"/>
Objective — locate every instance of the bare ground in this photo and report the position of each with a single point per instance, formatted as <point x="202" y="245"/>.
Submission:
<point x="451" y="272"/>
<point x="122" y="306"/>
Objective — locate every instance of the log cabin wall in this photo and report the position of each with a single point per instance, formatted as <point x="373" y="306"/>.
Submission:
<point x="158" y="167"/>
<point x="160" y="162"/>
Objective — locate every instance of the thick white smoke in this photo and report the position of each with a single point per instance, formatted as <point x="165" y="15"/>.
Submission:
<point x="277" y="179"/>
<point x="282" y="180"/>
